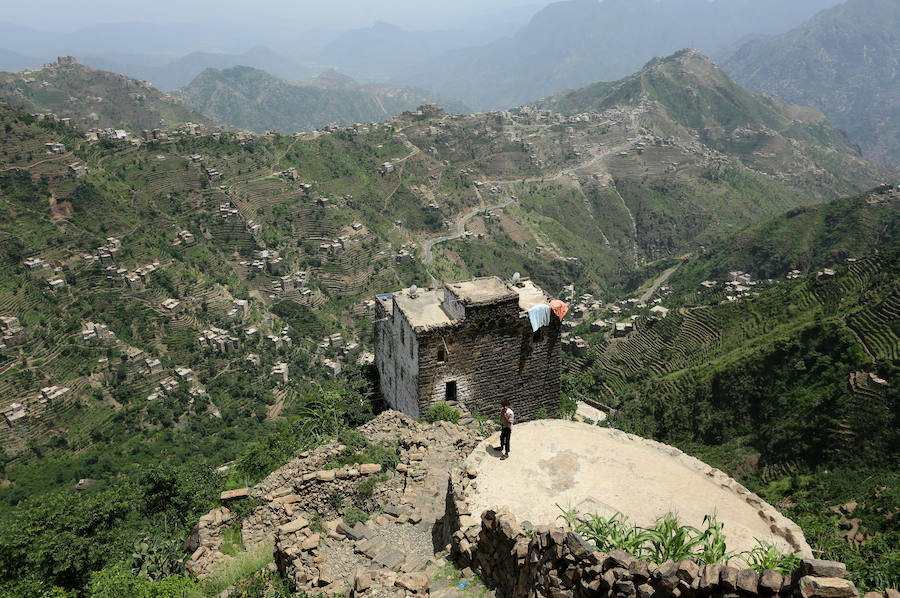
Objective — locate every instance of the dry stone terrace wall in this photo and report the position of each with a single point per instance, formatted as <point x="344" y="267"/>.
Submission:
<point x="492" y="355"/>
<point x="556" y="562"/>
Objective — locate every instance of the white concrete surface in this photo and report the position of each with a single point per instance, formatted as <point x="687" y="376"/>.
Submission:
<point x="603" y="470"/>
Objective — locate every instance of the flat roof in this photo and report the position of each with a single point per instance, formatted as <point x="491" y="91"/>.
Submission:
<point x="424" y="309"/>
<point x="481" y="290"/>
<point x="529" y="294"/>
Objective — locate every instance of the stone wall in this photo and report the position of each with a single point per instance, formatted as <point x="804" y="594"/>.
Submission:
<point x="492" y="355"/>
<point x="300" y="486"/>
<point x="556" y="562"/>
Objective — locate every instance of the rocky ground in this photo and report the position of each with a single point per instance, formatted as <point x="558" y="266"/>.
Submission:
<point x="393" y="552"/>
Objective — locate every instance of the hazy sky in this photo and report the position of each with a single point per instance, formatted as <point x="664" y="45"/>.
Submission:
<point x="301" y="15"/>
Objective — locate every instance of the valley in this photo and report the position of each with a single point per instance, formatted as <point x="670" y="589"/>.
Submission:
<point x="188" y="310"/>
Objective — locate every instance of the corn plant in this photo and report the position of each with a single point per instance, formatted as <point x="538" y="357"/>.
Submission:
<point x="670" y="541"/>
<point x="614" y="533"/>
<point x="766" y="556"/>
<point x="713" y="549"/>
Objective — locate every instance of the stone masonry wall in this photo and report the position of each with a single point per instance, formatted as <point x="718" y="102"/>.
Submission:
<point x="492" y="355"/>
<point x="558" y="563"/>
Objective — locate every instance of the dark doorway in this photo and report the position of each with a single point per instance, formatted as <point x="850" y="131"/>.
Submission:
<point x="450" y="394"/>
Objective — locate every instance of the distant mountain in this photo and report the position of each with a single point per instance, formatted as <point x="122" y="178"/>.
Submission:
<point x="94" y="98"/>
<point x="182" y="71"/>
<point x="576" y="42"/>
<point x="383" y="50"/>
<point x="253" y="99"/>
<point x="687" y="93"/>
<point x="844" y="61"/>
<point x="13" y="61"/>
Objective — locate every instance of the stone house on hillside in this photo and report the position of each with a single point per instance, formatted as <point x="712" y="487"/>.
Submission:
<point x="471" y="342"/>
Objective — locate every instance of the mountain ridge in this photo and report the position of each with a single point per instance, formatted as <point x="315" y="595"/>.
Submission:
<point x="843" y="61"/>
<point x="250" y="98"/>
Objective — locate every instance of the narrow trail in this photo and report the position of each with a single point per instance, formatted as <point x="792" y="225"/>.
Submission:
<point x="460" y="228"/>
<point x="634" y="232"/>
<point x="659" y="281"/>
<point x="50" y="159"/>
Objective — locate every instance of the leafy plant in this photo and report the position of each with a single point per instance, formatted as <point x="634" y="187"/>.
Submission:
<point x="441" y="412"/>
<point x="355" y="515"/>
<point x="157" y="557"/>
<point x="766" y="556"/>
<point x="668" y="540"/>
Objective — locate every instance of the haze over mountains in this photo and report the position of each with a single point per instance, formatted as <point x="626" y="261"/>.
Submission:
<point x="198" y="220"/>
<point x="845" y="62"/>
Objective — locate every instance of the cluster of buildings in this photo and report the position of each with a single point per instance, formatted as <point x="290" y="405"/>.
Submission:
<point x="171" y="383"/>
<point x="15" y="414"/>
<point x="154" y="135"/>
<point x="78" y="169"/>
<point x="281" y="339"/>
<point x="51" y="394"/>
<point x="55" y="148"/>
<point x="227" y="210"/>
<point x="96" y="332"/>
<point x="35" y="263"/>
<point x="185" y="237"/>
<point x="267" y="260"/>
<point x="56" y="284"/>
<point x="96" y="134"/>
<point x="171" y="305"/>
<point x="241" y="307"/>
<point x="218" y="340"/>
<point x="51" y="117"/>
<point x="106" y="254"/>
<point x="13" y="334"/>
<point x="136" y="280"/>
<point x="190" y="129"/>
<point x="280" y="372"/>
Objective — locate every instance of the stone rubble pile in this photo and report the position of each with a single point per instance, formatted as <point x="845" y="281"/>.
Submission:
<point x="302" y="503"/>
<point x="206" y="539"/>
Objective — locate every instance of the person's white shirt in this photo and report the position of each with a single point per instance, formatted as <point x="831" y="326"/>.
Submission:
<point x="510" y="415"/>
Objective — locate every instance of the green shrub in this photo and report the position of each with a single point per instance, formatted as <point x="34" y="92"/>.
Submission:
<point x="367" y="486"/>
<point x="442" y="412"/>
<point x="118" y="581"/>
<point x="354" y="516"/>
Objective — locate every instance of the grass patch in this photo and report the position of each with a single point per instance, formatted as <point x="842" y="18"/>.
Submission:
<point x="244" y="565"/>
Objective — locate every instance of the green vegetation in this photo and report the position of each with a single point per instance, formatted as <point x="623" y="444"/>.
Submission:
<point x="758" y="386"/>
<point x="77" y="91"/>
<point x="442" y="412"/>
<point x="667" y="540"/>
<point x="252" y="99"/>
<point x="848" y="87"/>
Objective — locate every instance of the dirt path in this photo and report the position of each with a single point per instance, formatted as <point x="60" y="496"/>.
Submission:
<point x="659" y="281"/>
<point x="460" y="229"/>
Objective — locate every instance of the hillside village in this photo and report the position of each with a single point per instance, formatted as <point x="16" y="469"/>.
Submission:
<point x="242" y="302"/>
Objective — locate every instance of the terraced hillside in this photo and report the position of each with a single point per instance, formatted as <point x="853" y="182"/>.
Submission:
<point x="152" y="290"/>
<point x="777" y="378"/>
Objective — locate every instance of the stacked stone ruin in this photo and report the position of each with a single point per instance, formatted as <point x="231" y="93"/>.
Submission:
<point x="421" y="509"/>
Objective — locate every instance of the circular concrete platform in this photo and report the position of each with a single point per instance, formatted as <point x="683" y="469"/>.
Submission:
<point x="601" y="470"/>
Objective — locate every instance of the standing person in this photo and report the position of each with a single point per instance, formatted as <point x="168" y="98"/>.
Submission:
<point x="507" y="419"/>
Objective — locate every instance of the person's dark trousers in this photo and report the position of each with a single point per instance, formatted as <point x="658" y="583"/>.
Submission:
<point x="505" y="433"/>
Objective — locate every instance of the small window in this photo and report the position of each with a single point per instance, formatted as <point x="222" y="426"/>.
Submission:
<point x="442" y="355"/>
<point x="410" y="348"/>
<point x="450" y="391"/>
<point x="402" y="336"/>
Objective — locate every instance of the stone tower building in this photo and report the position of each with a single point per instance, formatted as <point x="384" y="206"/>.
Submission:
<point x="467" y="341"/>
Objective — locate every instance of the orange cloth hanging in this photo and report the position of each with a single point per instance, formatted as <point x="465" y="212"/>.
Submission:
<point x="559" y="308"/>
